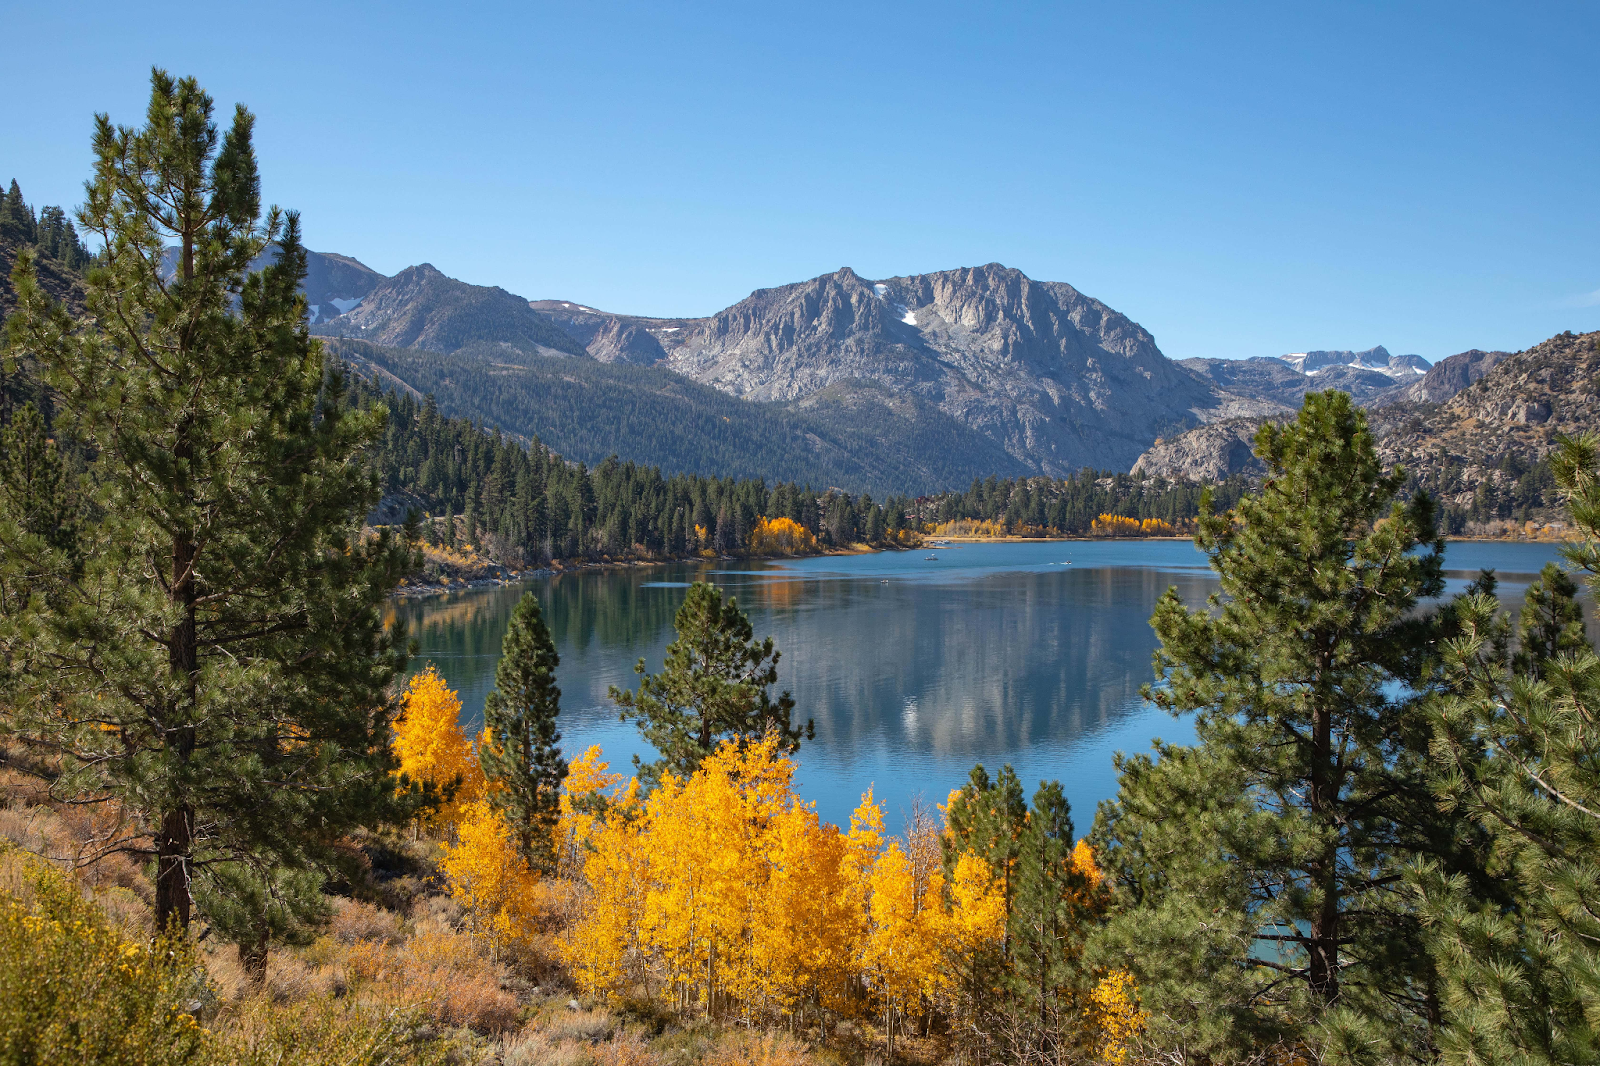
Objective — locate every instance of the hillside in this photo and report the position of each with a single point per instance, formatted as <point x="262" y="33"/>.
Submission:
<point x="588" y="410"/>
<point x="1512" y="418"/>
<point x="1480" y="451"/>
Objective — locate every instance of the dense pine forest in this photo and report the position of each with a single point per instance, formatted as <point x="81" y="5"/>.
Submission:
<point x="529" y="504"/>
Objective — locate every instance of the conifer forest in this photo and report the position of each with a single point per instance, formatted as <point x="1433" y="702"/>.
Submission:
<point x="238" y="824"/>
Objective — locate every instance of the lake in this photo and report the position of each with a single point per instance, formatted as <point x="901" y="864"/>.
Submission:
<point x="912" y="669"/>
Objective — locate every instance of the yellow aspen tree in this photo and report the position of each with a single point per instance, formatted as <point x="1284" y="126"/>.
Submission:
<point x="903" y="952"/>
<point x="863" y="843"/>
<point x="432" y="747"/>
<point x="977" y="923"/>
<point x="581" y="799"/>
<point x="675" y="923"/>
<point x="1115" y="1017"/>
<point x="488" y="876"/>
<point x="799" y="943"/>
<point x="757" y="783"/>
<point x="615" y="868"/>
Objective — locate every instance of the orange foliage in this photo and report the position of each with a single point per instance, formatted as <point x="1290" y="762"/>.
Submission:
<point x="724" y="893"/>
<point x="489" y="877"/>
<point x="781" y="536"/>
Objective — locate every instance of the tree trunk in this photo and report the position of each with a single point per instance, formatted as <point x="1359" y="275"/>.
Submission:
<point x="1323" y="968"/>
<point x="173" y="844"/>
<point x="175" y="840"/>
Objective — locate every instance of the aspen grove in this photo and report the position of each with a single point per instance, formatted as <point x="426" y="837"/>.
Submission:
<point x="723" y="895"/>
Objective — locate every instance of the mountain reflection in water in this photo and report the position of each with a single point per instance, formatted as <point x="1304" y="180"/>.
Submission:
<point x="912" y="669"/>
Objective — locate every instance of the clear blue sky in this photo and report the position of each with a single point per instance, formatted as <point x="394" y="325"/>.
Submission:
<point x="1240" y="179"/>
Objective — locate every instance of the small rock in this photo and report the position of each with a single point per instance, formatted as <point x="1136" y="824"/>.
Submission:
<point x="572" y="1004"/>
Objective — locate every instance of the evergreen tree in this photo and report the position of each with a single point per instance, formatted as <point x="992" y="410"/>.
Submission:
<point x="1520" y="957"/>
<point x="16" y="217"/>
<point x="1257" y="875"/>
<point x="255" y="907"/>
<point x="1551" y="623"/>
<point x="712" y="687"/>
<point x="522" y="759"/>
<point x="217" y="665"/>
<point x="1044" y="926"/>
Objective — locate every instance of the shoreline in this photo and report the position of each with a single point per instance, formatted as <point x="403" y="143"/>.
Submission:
<point x="508" y="576"/>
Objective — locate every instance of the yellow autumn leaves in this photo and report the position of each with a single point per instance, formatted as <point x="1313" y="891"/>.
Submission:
<point x="485" y="873"/>
<point x="724" y="894"/>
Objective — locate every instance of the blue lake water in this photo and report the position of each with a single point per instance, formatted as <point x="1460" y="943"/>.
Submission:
<point x="912" y="669"/>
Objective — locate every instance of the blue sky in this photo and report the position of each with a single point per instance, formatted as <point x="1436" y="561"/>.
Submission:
<point x="1240" y="179"/>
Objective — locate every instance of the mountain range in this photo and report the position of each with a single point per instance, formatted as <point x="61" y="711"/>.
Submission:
<point x="1475" y="420"/>
<point x="942" y="377"/>
<point x="912" y="383"/>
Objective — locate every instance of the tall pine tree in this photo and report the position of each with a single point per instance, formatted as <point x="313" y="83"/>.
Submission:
<point x="522" y="759"/>
<point x="1258" y="875"/>
<point x="712" y="687"/>
<point x="1515" y="743"/>
<point x="217" y="666"/>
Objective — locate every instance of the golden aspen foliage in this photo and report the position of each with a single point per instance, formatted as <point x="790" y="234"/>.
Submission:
<point x="432" y="747"/>
<point x="600" y="946"/>
<point x="1115" y="1017"/>
<point x="1083" y="862"/>
<point x="489" y="877"/>
<point x="781" y="536"/>
<point x="1114" y="525"/>
<point x="803" y="947"/>
<point x="978" y="907"/>
<point x="904" y="951"/>
<point x="581" y="800"/>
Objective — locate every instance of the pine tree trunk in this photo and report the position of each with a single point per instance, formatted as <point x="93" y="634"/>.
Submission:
<point x="1323" y="969"/>
<point x="175" y="841"/>
<point x="173" y="844"/>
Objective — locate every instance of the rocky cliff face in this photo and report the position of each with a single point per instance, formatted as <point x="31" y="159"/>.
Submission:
<point x="422" y="308"/>
<point x="1403" y="368"/>
<point x="1209" y="453"/>
<point x="335" y="284"/>
<point x="614" y="338"/>
<point x="1058" y="379"/>
<point x="1516" y="405"/>
<point x="1449" y="376"/>
<point x="1522" y="406"/>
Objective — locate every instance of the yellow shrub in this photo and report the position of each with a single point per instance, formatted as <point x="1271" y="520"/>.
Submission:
<point x="73" y="989"/>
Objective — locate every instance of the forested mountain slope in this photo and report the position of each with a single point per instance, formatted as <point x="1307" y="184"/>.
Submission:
<point x="588" y="410"/>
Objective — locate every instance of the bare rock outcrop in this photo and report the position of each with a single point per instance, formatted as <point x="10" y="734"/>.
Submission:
<point x="1212" y="452"/>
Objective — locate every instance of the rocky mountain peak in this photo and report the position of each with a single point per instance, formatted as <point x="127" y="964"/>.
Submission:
<point x="1059" y="379"/>
<point x="420" y="307"/>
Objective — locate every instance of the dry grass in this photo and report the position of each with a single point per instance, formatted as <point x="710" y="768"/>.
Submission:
<point x="403" y="983"/>
<point x="356" y="922"/>
<point x="761" y="1049"/>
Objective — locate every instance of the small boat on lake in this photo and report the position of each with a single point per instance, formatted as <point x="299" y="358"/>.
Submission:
<point x="930" y="556"/>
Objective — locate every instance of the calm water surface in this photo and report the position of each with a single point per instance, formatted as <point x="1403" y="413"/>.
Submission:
<point x="912" y="669"/>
